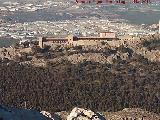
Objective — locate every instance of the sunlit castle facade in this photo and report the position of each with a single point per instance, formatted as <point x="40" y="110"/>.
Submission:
<point x="75" y="41"/>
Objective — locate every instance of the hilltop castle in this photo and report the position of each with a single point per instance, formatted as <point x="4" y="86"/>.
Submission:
<point x="74" y="41"/>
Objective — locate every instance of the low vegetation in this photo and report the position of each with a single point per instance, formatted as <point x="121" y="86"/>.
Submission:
<point x="61" y="86"/>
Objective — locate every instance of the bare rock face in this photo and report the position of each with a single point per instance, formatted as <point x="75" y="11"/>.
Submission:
<point x="96" y="57"/>
<point x="47" y="114"/>
<point x="84" y="114"/>
<point x="63" y="115"/>
<point x="132" y="114"/>
<point x="51" y="116"/>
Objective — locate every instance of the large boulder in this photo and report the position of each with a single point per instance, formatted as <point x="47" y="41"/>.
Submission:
<point x="51" y="116"/>
<point x="47" y="114"/>
<point x="84" y="114"/>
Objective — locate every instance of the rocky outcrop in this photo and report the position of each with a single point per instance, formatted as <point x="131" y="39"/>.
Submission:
<point x="51" y="116"/>
<point x="7" y="113"/>
<point x="84" y="114"/>
<point x="63" y="115"/>
<point x="132" y="114"/>
<point x="96" y="57"/>
<point x="47" y="114"/>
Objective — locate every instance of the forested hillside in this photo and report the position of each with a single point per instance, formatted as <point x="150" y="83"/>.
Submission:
<point x="103" y="87"/>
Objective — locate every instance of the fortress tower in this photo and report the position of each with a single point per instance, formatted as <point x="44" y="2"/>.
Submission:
<point x="40" y="42"/>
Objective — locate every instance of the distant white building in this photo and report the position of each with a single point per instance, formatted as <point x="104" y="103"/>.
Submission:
<point x="3" y="9"/>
